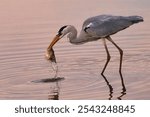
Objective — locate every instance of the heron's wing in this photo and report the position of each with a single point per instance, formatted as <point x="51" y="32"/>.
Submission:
<point x="105" y="25"/>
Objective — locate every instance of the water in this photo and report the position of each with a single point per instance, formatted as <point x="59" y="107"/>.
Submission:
<point x="27" y="28"/>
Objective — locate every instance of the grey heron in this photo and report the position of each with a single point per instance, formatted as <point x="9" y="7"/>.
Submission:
<point x="93" y="29"/>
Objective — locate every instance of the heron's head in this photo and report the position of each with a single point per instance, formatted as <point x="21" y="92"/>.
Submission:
<point x="50" y="52"/>
<point x="61" y="33"/>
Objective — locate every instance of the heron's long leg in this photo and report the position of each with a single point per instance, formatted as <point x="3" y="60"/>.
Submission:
<point x="108" y="56"/>
<point x="120" y="66"/>
<point x="120" y="50"/>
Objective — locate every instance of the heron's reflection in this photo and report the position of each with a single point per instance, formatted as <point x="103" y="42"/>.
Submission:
<point x="123" y="92"/>
<point x="54" y="86"/>
<point x="54" y="92"/>
<point x="123" y="87"/>
<point x="109" y="86"/>
<point x="55" y="89"/>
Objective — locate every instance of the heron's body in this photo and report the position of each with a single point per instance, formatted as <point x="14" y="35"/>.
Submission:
<point x="95" y="28"/>
<point x="101" y="26"/>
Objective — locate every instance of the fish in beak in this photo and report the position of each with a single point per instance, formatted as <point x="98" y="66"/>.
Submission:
<point x="50" y="55"/>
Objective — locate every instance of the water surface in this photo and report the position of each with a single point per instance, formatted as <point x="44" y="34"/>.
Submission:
<point x="27" y="28"/>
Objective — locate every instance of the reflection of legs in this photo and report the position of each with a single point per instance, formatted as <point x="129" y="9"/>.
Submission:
<point x="108" y="56"/>
<point x="109" y="86"/>
<point x="120" y="66"/>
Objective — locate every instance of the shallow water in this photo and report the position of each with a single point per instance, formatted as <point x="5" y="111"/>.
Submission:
<point x="27" y="28"/>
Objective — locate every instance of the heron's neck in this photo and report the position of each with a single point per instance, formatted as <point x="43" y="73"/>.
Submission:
<point x="73" y="35"/>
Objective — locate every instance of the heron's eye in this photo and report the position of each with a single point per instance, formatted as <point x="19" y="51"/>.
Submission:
<point x="85" y="29"/>
<point x="61" y="29"/>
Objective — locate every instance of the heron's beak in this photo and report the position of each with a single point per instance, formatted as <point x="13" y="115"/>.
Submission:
<point x="56" y="38"/>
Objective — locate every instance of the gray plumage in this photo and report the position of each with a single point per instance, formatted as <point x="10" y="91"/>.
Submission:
<point x="104" y="25"/>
